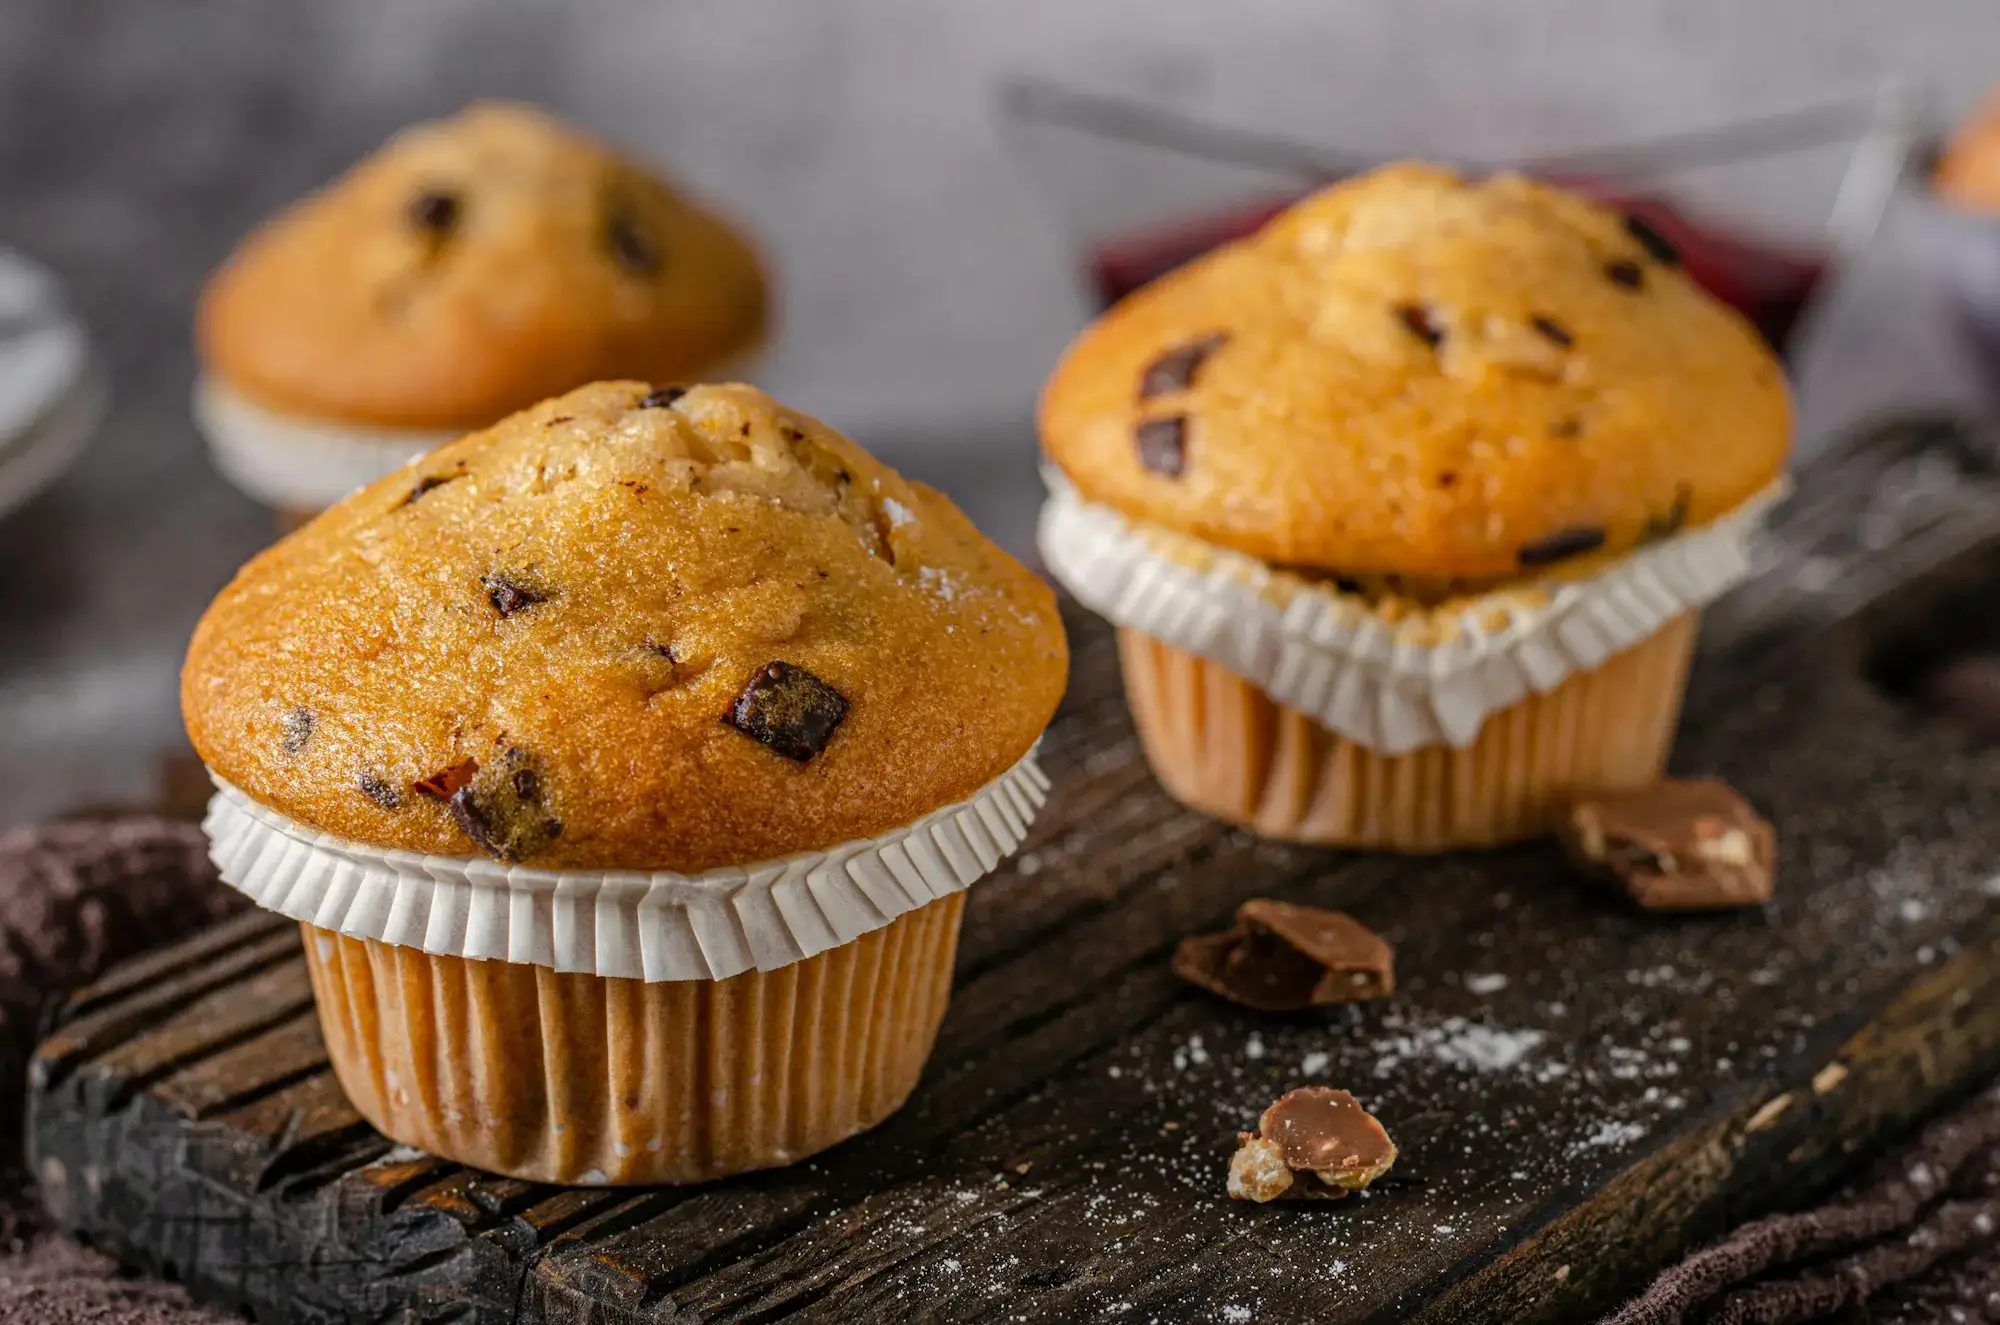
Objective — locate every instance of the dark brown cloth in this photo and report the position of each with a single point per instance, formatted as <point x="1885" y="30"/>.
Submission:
<point x="74" y="899"/>
<point x="1915" y="1242"/>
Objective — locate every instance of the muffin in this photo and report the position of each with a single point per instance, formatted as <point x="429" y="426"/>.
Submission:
<point x="1405" y="506"/>
<point x="625" y="764"/>
<point x="1960" y="231"/>
<point x="1968" y="170"/>
<point x="470" y="268"/>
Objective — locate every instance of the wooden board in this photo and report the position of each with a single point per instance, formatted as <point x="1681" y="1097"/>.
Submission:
<point x="1580" y="1091"/>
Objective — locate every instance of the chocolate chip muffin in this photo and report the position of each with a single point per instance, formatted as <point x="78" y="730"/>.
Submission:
<point x="644" y="728"/>
<point x="471" y="267"/>
<point x="1406" y="502"/>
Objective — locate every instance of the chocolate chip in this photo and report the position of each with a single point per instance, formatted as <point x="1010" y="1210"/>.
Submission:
<point x="435" y="211"/>
<point x="631" y="247"/>
<point x="1568" y="426"/>
<point x="1282" y="957"/>
<point x="442" y="784"/>
<point x="1658" y="527"/>
<point x="1163" y="445"/>
<point x="373" y="786"/>
<point x="661" y="396"/>
<point x="1678" y="845"/>
<point x="510" y="593"/>
<point x="1657" y="245"/>
<point x="501" y="809"/>
<point x="789" y="710"/>
<point x="1555" y="331"/>
<point x="295" y="729"/>
<point x="1626" y="273"/>
<point x="429" y="483"/>
<point x="1174" y="370"/>
<point x="1313" y="1143"/>
<point x="1418" y="321"/>
<point x="1563" y="544"/>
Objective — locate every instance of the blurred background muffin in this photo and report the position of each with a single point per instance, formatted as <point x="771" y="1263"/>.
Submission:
<point x="1965" y="229"/>
<point x="472" y="266"/>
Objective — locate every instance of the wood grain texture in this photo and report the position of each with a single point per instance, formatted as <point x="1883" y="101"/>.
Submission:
<point x="1579" y="1090"/>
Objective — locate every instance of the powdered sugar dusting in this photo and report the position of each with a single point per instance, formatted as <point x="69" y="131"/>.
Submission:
<point x="1455" y="1041"/>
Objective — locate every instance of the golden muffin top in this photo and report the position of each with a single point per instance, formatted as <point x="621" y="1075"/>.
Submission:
<point x="1411" y="373"/>
<point x="627" y="628"/>
<point x="471" y="267"/>
<point x="1968" y="173"/>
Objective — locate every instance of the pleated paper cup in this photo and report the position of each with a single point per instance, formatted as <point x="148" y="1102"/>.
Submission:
<point x="1309" y="714"/>
<point x="571" y="1078"/>
<point x="299" y="466"/>
<point x="628" y="1028"/>
<point x="1223" y="746"/>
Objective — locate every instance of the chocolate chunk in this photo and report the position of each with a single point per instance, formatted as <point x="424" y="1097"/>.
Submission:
<point x="1657" y="245"/>
<point x="1626" y="273"/>
<point x="444" y="783"/>
<point x="295" y="729"/>
<point x="789" y="710"/>
<point x="434" y="210"/>
<point x="1566" y="427"/>
<point x="1315" y="1143"/>
<point x="1174" y="370"/>
<point x="1556" y="332"/>
<point x="630" y="246"/>
<point x="1658" y="527"/>
<point x="1678" y="845"/>
<point x="510" y="593"/>
<point x="501" y="809"/>
<point x="661" y="396"/>
<point x="1563" y="544"/>
<point x="1417" y="319"/>
<point x="1281" y="957"/>
<point x="429" y="483"/>
<point x="1163" y="445"/>
<point x="375" y="788"/>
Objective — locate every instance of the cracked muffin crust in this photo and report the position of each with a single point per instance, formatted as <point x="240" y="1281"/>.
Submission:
<point x="627" y="628"/>
<point x="1415" y="374"/>
<point x="471" y="267"/>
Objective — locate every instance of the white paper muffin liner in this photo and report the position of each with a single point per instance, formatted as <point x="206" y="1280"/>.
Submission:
<point x="296" y="463"/>
<point x="1393" y="688"/>
<point x="652" y="925"/>
<point x="302" y="464"/>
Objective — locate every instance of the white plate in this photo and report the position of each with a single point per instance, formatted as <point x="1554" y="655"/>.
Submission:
<point x="51" y="395"/>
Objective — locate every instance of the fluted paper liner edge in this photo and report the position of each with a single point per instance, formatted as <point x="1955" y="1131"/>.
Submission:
<point x="303" y="464"/>
<point x="1313" y="650"/>
<point x="297" y="463"/>
<point x="652" y="926"/>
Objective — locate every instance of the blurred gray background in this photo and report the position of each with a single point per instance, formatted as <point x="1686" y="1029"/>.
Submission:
<point x="925" y="269"/>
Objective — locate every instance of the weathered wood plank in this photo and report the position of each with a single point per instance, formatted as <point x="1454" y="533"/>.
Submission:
<point x="1578" y="1089"/>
